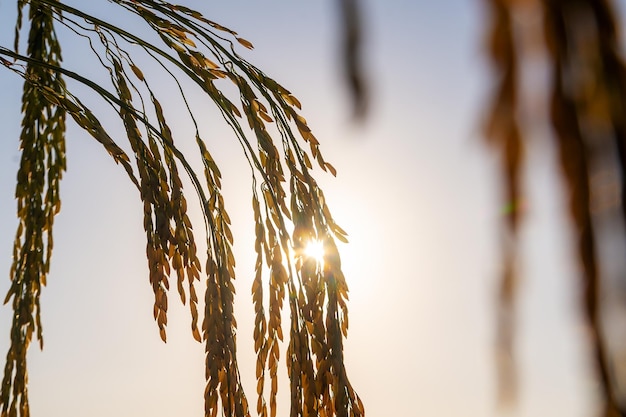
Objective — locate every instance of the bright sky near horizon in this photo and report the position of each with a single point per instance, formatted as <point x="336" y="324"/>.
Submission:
<point x="416" y="190"/>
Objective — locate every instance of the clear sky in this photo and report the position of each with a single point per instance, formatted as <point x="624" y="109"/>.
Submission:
<point x="416" y="191"/>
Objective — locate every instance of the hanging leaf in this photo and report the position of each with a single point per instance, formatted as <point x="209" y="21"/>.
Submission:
<point x="189" y="52"/>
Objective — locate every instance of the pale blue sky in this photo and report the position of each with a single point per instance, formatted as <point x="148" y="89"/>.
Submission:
<point x="416" y="191"/>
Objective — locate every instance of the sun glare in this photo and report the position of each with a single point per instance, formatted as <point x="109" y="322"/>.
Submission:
<point x="315" y="249"/>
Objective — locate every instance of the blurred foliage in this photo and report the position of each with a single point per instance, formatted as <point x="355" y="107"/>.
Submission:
<point x="352" y="54"/>
<point x="289" y="207"/>
<point x="580" y="48"/>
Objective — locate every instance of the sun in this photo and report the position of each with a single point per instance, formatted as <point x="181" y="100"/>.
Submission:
<point x="315" y="249"/>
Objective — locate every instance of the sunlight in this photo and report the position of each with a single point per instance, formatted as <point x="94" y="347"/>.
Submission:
<point x="315" y="249"/>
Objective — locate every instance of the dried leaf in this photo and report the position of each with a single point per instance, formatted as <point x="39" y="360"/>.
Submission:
<point x="137" y="72"/>
<point x="245" y="43"/>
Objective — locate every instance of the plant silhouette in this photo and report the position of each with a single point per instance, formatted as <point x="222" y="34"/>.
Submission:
<point x="581" y="50"/>
<point x="289" y="207"/>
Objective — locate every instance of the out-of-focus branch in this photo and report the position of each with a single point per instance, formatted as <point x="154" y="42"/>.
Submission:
<point x="352" y="56"/>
